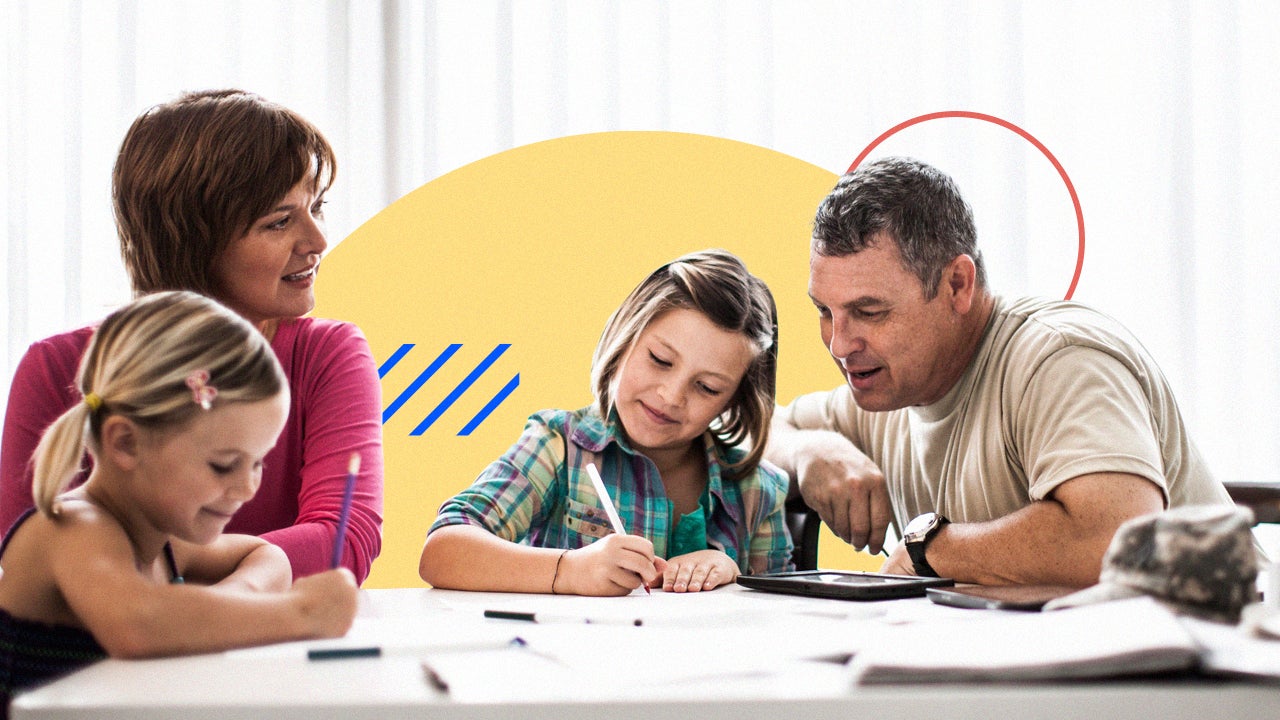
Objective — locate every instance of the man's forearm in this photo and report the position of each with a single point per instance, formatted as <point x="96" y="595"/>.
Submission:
<point x="1034" y="546"/>
<point x="782" y="447"/>
<point x="789" y="446"/>
<point x="1057" y="541"/>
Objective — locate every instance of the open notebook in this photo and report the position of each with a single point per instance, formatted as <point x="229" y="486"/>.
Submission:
<point x="1126" y="637"/>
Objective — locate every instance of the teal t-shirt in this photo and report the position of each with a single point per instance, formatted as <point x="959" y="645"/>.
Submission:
<point x="691" y="530"/>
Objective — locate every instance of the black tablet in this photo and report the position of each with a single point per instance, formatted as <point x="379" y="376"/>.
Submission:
<point x="843" y="584"/>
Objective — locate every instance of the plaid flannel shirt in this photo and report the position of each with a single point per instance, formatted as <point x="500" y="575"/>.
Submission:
<point x="539" y="494"/>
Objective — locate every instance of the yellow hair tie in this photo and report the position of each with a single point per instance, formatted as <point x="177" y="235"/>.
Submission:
<point x="93" y="401"/>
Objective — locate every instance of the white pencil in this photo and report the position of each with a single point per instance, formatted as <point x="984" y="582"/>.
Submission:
<point x="615" y="522"/>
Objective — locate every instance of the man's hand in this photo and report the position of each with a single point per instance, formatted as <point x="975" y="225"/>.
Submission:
<point x="899" y="563"/>
<point x="846" y="489"/>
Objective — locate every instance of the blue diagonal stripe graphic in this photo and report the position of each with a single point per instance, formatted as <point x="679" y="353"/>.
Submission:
<point x="395" y="358"/>
<point x="466" y="383"/>
<point x="417" y="383"/>
<point x="490" y="406"/>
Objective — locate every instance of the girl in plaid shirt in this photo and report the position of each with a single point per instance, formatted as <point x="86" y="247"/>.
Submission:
<point x="684" y="380"/>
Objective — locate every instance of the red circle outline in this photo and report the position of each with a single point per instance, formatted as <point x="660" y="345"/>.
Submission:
<point x="1075" y="199"/>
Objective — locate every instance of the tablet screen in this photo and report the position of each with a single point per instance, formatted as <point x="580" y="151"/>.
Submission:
<point x="854" y="579"/>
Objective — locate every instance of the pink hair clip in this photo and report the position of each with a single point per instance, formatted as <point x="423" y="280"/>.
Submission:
<point x="202" y="393"/>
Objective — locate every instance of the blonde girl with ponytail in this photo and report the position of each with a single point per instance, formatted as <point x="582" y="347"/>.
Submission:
<point x="182" y="400"/>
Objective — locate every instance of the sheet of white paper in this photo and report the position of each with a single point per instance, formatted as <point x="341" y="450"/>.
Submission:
<point x="396" y="636"/>
<point x="680" y="647"/>
<point x="596" y="663"/>
<point x="507" y="675"/>
<point x="1231" y="650"/>
<point x="726" y="607"/>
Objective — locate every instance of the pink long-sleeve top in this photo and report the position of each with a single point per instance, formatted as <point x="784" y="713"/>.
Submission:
<point x="335" y="410"/>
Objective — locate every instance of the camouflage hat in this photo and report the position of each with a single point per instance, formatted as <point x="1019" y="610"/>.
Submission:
<point x="1199" y="560"/>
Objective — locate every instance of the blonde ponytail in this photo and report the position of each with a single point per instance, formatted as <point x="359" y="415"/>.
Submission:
<point x="58" y="457"/>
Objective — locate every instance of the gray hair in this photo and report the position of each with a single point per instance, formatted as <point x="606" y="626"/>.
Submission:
<point x="917" y="205"/>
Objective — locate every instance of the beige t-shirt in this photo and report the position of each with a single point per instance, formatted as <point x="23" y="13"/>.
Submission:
<point x="1055" y="390"/>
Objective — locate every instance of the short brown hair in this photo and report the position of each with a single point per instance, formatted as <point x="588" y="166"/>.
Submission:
<point x="717" y="284"/>
<point x="193" y="174"/>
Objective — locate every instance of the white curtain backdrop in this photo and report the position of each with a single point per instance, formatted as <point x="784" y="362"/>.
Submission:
<point x="1163" y="113"/>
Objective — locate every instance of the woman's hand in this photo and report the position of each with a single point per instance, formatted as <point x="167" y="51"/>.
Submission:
<point x="697" y="571"/>
<point x="613" y="565"/>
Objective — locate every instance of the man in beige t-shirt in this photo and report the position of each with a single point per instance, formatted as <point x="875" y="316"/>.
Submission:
<point x="1016" y="434"/>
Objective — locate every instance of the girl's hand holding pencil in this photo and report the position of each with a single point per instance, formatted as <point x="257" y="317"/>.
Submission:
<point x="613" y="565"/>
<point x="326" y="602"/>
<point x="619" y="559"/>
<point x="328" y="599"/>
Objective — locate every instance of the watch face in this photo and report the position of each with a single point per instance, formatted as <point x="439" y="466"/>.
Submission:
<point x="920" y="525"/>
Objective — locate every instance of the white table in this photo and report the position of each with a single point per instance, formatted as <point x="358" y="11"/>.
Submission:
<point x="731" y="653"/>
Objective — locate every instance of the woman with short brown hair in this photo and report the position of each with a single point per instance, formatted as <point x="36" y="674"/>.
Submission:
<point x="221" y="192"/>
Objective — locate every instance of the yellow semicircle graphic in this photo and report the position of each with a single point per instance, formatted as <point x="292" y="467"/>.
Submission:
<point x="483" y="294"/>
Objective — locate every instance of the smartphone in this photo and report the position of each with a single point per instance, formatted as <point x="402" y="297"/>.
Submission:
<point x="1030" y="598"/>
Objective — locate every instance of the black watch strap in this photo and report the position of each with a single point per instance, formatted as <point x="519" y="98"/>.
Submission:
<point x="922" y="566"/>
<point x="918" y="543"/>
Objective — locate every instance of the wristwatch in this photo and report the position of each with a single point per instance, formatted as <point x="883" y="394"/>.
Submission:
<point x="917" y="536"/>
